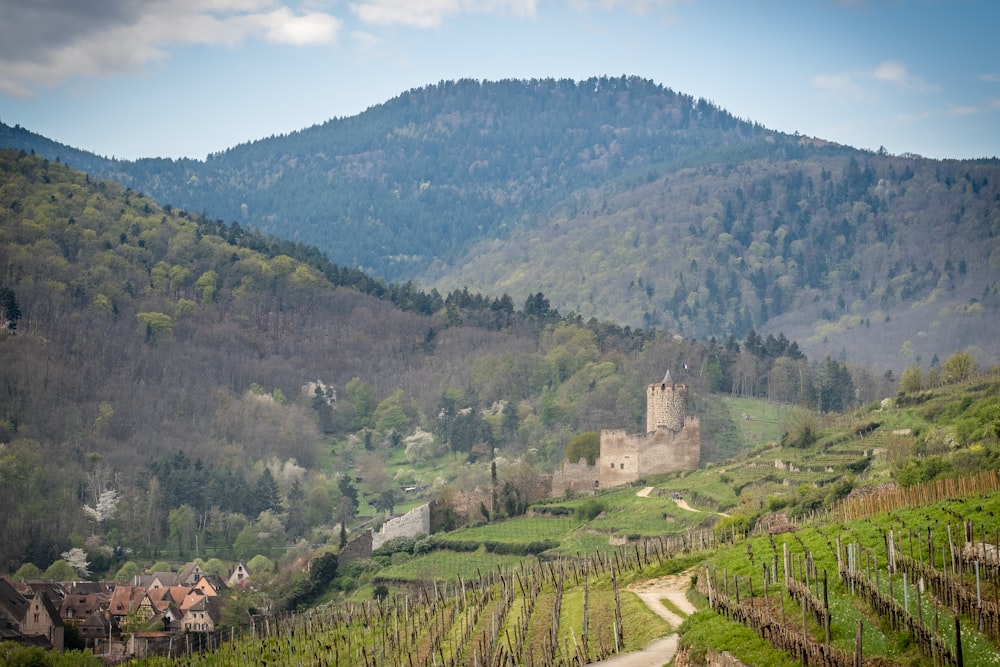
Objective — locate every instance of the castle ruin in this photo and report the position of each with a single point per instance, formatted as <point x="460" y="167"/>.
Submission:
<point x="672" y="442"/>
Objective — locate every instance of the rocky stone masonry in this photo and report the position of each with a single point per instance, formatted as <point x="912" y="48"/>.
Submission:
<point x="673" y="442"/>
<point x="415" y="522"/>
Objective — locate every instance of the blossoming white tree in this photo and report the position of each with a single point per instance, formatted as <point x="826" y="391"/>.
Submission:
<point x="76" y="558"/>
<point x="105" y="508"/>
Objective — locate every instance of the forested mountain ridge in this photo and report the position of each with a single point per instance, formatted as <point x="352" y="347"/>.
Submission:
<point x="621" y="199"/>
<point x="419" y="178"/>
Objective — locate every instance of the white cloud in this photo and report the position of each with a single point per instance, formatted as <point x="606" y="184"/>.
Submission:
<point x="964" y="110"/>
<point x="43" y="45"/>
<point x="634" y="6"/>
<point x="991" y="77"/>
<point x="431" y="13"/>
<point x="283" y="27"/>
<point x="898" y="75"/>
<point x="857" y="85"/>
<point x="841" y="86"/>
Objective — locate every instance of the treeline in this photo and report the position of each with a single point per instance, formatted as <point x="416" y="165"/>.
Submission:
<point x="421" y="178"/>
<point x="459" y="307"/>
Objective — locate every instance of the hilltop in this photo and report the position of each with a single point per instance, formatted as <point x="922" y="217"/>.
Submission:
<point x="620" y="199"/>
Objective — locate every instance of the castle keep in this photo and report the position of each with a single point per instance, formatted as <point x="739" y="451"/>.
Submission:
<point x="672" y="442"/>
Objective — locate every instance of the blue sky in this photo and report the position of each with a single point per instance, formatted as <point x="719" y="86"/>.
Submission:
<point x="173" y="78"/>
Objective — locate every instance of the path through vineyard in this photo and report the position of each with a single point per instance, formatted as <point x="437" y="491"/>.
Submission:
<point x="661" y="651"/>
<point x="644" y="493"/>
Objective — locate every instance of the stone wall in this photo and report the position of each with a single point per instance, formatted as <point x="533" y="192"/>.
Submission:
<point x="667" y="450"/>
<point x="360" y="548"/>
<point x="712" y="658"/>
<point x="467" y="503"/>
<point x="620" y="457"/>
<point x="415" y="522"/>
<point x="576" y="477"/>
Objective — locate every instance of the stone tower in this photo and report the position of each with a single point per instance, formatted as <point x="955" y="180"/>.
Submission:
<point x="666" y="405"/>
<point x="672" y="441"/>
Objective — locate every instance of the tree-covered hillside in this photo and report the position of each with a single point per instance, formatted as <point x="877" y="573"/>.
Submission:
<point x="225" y="384"/>
<point x="419" y="179"/>
<point x="889" y="260"/>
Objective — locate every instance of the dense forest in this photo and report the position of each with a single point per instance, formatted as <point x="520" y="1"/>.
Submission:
<point x="623" y="200"/>
<point x="173" y="385"/>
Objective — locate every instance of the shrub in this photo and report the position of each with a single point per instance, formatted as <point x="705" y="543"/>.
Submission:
<point x="588" y="510"/>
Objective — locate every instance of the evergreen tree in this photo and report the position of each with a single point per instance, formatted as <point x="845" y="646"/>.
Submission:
<point x="266" y="496"/>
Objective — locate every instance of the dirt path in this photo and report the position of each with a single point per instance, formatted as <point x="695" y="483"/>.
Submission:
<point x="684" y="506"/>
<point x="660" y="651"/>
<point x="644" y="493"/>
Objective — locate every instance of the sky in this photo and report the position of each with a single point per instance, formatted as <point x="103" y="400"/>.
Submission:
<point x="186" y="78"/>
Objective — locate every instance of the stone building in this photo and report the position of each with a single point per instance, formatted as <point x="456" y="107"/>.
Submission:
<point x="672" y="442"/>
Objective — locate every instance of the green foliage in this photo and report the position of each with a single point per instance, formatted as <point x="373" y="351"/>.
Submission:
<point x="156" y="325"/>
<point x="237" y="610"/>
<point x="398" y="545"/>
<point x="392" y="414"/>
<point x="128" y="571"/>
<point x="706" y="630"/>
<point x="245" y="309"/>
<point x="17" y="655"/>
<point x="588" y="510"/>
<point x="911" y="381"/>
<point x="26" y="572"/>
<point x="958" y="367"/>
<point x="802" y="430"/>
<point x="584" y="446"/>
<point x="60" y="570"/>
<point x="359" y="404"/>
<point x="918" y="471"/>
<point x="323" y="570"/>
<point x="10" y="313"/>
<point x="260" y="566"/>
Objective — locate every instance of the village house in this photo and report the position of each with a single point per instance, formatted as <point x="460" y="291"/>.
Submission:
<point x="240" y="577"/>
<point x="153" y="610"/>
<point x="34" y="621"/>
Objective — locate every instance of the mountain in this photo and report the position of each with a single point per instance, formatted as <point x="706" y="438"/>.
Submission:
<point x="621" y="199"/>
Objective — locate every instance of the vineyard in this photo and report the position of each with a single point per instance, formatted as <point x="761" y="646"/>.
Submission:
<point x="562" y="612"/>
<point x="917" y="585"/>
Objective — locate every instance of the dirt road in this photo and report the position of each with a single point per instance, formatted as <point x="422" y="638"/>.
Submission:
<point x="644" y="493"/>
<point x="660" y="651"/>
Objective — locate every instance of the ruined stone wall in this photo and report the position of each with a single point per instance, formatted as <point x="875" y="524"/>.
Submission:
<point x="467" y="503"/>
<point x="620" y="457"/>
<point x="415" y="522"/>
<point x="667" y="450"/>
<point x="576" y="477"/>
<point x="360" y="548"/>
<point x="536" y="488"/>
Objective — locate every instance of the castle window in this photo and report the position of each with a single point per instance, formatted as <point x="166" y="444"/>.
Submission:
<point x="612" y="465"/>
<point x="621" y="466"/>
